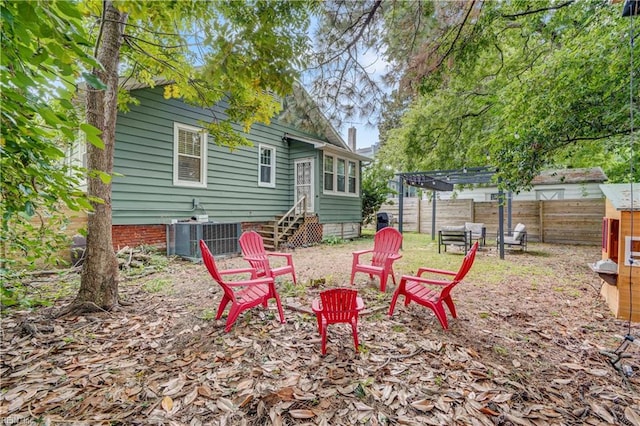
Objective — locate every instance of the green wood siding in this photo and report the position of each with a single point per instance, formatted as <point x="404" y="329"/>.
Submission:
<point x="336" y="208"/>
<point x="144" y="156"/>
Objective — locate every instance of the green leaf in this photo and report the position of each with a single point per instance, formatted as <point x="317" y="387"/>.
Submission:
<point x="93" y="135"/>
<point x="94" y="81"/>
<point x="104" y="177"/>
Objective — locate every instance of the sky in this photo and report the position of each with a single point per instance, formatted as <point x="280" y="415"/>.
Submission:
<point x="366" y="135"/>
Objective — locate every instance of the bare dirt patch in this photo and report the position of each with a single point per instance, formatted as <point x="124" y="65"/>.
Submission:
<point x="527" y="348"/>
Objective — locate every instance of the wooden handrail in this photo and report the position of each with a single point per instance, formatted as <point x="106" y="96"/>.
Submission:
<point x="280" y="223"/>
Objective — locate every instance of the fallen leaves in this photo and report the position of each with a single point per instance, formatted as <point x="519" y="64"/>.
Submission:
<point x="156" y="362"/>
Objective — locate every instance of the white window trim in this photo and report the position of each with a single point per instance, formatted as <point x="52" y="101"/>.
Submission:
<point x="335" y="191"/>
<point x="203" y="151"/>
<point x="271" y="184"/>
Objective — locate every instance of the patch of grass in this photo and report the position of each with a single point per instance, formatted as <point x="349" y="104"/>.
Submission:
<point x="397" y="328"/>
<point x="500" y="350"/>
<point x="207" y="315"/>
<point x="377" y="317"/>
<point x="574" y="293"/>
<point x="364" y="350"/>
<point x="418" y="250"/>
<point x="158" y="285"/>
<point x="484" y="315"/>
<point x="289" y="289"/>
<point x="332" y="240"/>
<point x="519" y="377"/>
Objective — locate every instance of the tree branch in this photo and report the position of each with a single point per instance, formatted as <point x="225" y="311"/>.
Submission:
<point x="455" y="40"/>
<point x="569" y="140"/>
<point x="127" y="36"/>
<point x="544" y="9"/>
<point x="357" y="37"/>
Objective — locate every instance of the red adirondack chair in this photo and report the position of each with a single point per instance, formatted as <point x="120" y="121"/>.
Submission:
<point x="386" y="244"/>
<point x="416" y="288"/>
<point x="338" y="305"/>
<point x="253" y="251"/>
<point x="247" y="293"/>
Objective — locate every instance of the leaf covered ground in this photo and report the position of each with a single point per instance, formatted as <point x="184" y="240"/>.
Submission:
<point x="529" y="347"/>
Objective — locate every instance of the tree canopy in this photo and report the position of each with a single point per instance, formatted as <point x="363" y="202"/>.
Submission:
<point x="517" y="85"/>
<point x="43" y="56"/>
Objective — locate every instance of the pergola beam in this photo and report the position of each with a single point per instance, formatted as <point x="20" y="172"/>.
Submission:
<point x="443" y="180"/>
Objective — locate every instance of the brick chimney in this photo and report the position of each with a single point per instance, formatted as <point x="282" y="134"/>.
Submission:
<point x="352" y="138"/>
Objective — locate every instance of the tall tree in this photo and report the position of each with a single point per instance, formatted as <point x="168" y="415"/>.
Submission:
<point x="99" y="284"/>
<point x="210" y="51"/>
<point x="245" y="52"/>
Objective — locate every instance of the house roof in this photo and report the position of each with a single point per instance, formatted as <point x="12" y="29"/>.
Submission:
<point x="550" y="177"/>
<point x="321" y="123"/>
<point x="325" y="146"/>
<point x="622" y="194"/>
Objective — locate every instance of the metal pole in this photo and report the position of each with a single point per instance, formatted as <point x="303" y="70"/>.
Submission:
<point x="509" y="211"/>
<point x="501" y="222"/>
<point x="400" y="202"/>
<point x="433" y="215"/>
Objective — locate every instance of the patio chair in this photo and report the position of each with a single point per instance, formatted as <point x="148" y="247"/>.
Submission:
<point x="515" y="238"/>
<point x="338" y="305"/>
<point x="478" y="232"/>
<point x="454" y="236"/>
<point x="244" y="294"/>
<point x="433" y="293"/>
<point x="386" y="244"/>
<point x="252" y="246"/>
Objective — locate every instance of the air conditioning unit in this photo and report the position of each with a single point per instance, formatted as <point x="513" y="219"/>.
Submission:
<point x="221" y="238"/>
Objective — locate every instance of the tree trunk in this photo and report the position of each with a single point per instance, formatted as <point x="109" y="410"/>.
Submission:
<point x="99" y="284"/>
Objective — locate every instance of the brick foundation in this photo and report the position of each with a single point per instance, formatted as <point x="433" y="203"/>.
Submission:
<point x="137" y="235"/>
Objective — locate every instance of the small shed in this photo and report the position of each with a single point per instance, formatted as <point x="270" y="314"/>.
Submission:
<point x="620" y="264"/>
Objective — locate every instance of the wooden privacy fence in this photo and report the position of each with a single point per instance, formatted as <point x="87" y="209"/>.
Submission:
<point x="550" y="221"/>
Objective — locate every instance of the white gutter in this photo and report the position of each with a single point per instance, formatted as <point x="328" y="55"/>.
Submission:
<point x="325" y="146"/>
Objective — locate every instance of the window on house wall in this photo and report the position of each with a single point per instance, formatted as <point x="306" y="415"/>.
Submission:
<point x="549" y="194"/>
<point x="353" y="188"/>
<point x="340" y="176"/>
<point x="328" y="173"/>
<point x="77" y="157"/>
<point x="190" y="156"/>
<point x="410" y="191"/>
<point x="267" y="166"/>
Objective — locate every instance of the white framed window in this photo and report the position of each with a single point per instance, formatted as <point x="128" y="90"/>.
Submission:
<point x="328" y="173"/>
<point x="549" y="194"/>
<point x="340" y="176"/>
<point x="266" y="166"/>
<point x="632" y="248"/>
<point x="353" y="178"/>
<point x="76" y="156"/>
<point x="189" y="156"/>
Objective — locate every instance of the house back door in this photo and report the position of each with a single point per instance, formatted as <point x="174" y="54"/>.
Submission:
<point x="304" y="182"/>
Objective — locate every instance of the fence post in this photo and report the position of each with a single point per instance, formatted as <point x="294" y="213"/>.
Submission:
<point x="419" y="211"/>
<point x="433" y="215"/>
<point x="541" y="210"/>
